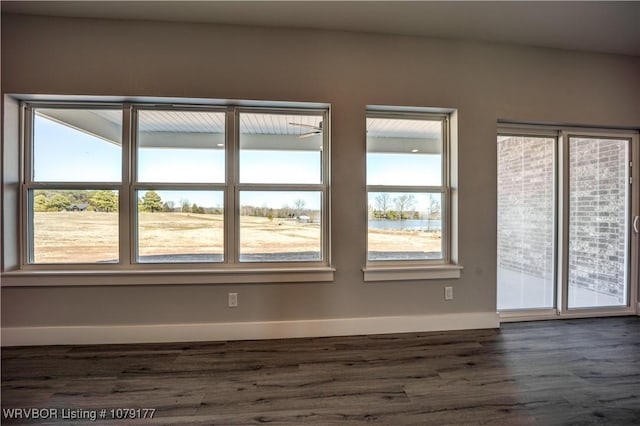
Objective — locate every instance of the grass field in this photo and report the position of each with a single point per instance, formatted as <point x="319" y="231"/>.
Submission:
<point x="87" y="237"/>
<point x="64" y="237"/>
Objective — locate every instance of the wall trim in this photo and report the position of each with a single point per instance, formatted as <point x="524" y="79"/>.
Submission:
<point x="166" y="333"/>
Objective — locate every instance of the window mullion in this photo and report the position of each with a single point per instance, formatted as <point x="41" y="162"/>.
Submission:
<point x="126" y="219"/>
<point x="232" y="143"/>
<point x="563" y="221"/>
<point x="397" y="188"/>
<point x="26" y="221"/>
<point x="27" y="144"/>
<point x="445" y="214"/>
<point x="280" y="187"/>
<point x="326" y="193"/>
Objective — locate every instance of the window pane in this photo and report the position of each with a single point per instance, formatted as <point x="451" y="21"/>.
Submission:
<point x="74" y="226"/>
<point x="404" y="152"/>
<point x="181" y="146"/>
<point x="526" y="226"/>
<point x="277" y="148"/>
<point x="180" y="226"/>
<point x="77" y="145"/>
<point x="598" y="217"/>
<point x="405" y="226"/>
<point x="280" y="226"/>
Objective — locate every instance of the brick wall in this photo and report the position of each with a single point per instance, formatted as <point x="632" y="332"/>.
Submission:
<point x="597" y="215"/>
<point x="526" y="205"/>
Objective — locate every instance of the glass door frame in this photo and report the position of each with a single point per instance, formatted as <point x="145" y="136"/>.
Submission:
<point x="563" y="232"/>
<point x="561" y="218"/>
<point x="538" y="132"/>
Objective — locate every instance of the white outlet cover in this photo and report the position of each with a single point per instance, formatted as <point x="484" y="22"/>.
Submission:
<point x="448" y="293"/>
<point x="233" y="300"/>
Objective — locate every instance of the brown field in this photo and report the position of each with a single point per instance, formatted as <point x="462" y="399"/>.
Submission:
<point x="387" y="240"/>
<point x="180" y="233"/>
<point x="64" y="237"/>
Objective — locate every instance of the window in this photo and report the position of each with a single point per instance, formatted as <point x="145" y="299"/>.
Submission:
<point x="126" y="187"/>
<point x="408" y="189"/>
<point x="281" y="190"/>
<point x="179" y="190"/>
<point x="73" y="185"/>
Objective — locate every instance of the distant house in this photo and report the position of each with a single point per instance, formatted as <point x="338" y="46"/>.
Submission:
<point x="79" y="207"/>
<point x="303" y="219"/>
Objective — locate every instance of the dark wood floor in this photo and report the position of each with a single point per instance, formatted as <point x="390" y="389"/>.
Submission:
<point x="539" y="373"/>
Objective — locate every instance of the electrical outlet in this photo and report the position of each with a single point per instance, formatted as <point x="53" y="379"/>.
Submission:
<point x="448" y="293"/>
<point x="233" y="300"/>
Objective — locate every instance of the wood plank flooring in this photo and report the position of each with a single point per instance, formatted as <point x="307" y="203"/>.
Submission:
<point x="540" y="373"/>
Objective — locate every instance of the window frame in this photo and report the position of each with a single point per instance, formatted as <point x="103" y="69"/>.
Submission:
<point x="29" y="184"/>
<point x="445" y="267"/>
<point x="137" y="185"/>
<point x="561" y="135"/>
<point x="322" y="187"/>
<point x="128" y="270"/>
<point x="553" y="135"/>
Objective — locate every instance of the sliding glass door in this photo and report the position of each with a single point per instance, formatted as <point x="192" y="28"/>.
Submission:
<point x="598" y="249"/>
<point x="565" y="209"/>
<point x="526" y="222"/>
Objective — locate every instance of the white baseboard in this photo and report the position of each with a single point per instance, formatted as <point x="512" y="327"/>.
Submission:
<point x="164" y="333"/>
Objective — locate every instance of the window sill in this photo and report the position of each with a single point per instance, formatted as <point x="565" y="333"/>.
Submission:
<point x="402" y="273"/>
<point x="60" y="278"/>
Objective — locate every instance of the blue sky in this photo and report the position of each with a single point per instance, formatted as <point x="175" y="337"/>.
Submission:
<point x="64" y="154"/>
<point x="403" y="169"/>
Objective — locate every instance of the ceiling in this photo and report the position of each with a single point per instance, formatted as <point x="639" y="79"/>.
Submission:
<point x="608" y="27"/>
<point x="258" y="131"/>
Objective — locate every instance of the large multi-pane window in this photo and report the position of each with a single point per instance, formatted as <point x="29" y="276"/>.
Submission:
<point x="407" y="187"/>
<point x="148" y="184"/>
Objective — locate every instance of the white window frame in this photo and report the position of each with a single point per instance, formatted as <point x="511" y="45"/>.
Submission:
<point x="238" y="186"/>
<point x="136" y="185"/>
<point x="128" y="270"/>
<point x="446" y="267"/>
<point x="29" y="184"/>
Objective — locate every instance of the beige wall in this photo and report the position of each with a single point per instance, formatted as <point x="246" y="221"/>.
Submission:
<point x="484" y="82"/>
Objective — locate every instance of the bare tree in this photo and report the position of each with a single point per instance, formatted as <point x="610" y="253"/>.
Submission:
<point x="404" y="202"/>
<point x="434" y="209"/>
<point x="299" y="205"/>
<point x="383" y="202"/>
